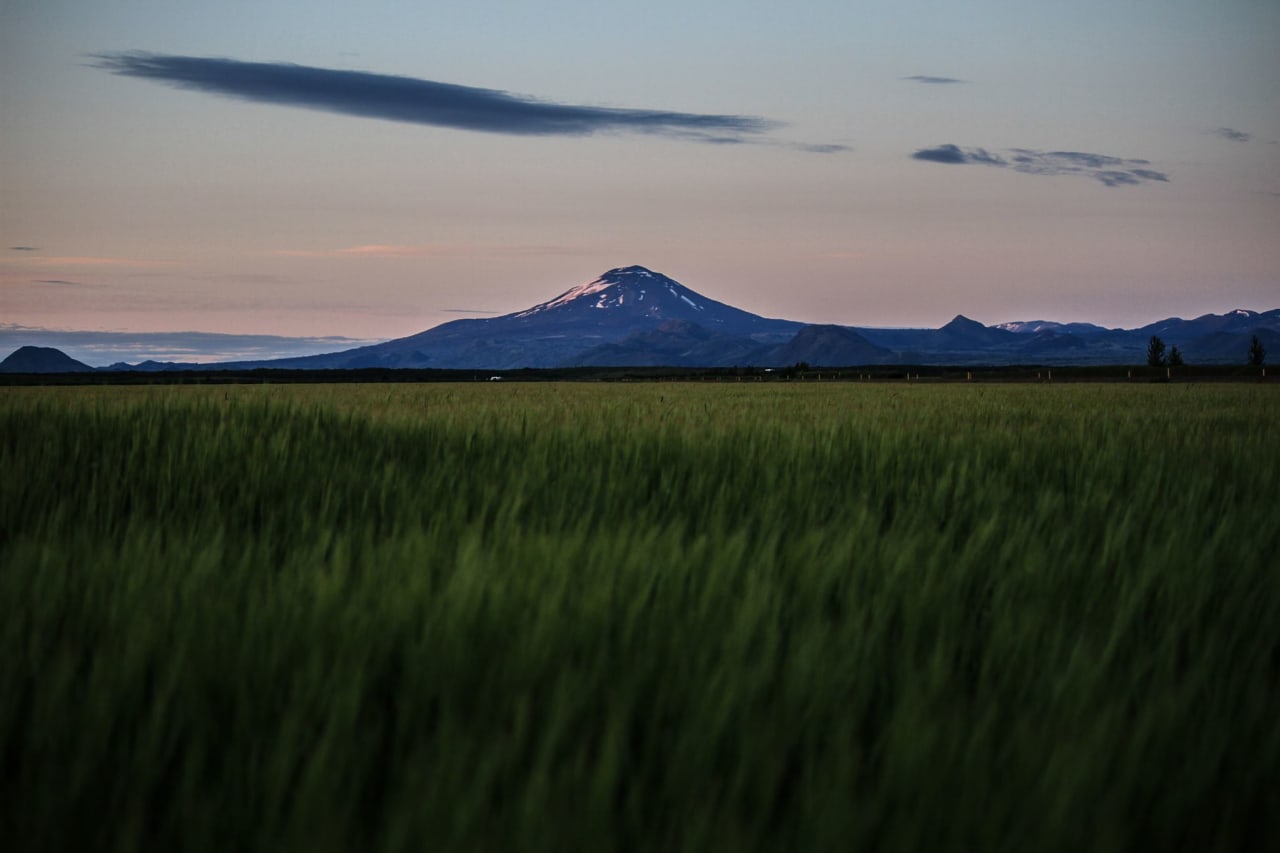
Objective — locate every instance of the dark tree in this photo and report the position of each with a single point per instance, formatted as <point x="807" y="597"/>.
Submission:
<point x="1257" y="352"/>
<point x="1175" y="357"/>
<point x="1155" y="352"/>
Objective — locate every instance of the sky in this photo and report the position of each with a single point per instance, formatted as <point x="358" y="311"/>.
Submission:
<point x="355" y="172"/>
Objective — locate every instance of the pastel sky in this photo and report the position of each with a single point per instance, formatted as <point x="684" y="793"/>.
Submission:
<point x="374" y="169"/>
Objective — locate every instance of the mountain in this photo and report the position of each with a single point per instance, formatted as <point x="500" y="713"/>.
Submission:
<point x="41" y="360"/>
<point x="620" y="307"/>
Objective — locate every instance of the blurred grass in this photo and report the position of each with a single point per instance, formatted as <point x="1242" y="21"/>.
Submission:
<point x="592" y="617"/>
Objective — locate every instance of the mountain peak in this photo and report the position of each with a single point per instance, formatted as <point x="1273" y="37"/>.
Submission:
<point x="962" y="322"/>
<point x="625" y="289"/>
<point x="634" y="269"/>
<point x="966" y="333"/>
<point x="621" y="302"/>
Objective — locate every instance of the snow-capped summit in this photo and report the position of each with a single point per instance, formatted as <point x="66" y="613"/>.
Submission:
<point x="633" y="290"/>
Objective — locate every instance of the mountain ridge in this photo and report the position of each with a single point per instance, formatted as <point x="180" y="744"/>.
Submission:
<point x="633" y="316"/>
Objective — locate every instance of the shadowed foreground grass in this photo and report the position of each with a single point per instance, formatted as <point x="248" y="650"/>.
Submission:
<point x="584" y="617"/>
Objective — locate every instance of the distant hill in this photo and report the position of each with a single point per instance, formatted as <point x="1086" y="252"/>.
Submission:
<point x="41" y="360"/>
<point x="826" y="345"/>
<point x="1037" y="326"/>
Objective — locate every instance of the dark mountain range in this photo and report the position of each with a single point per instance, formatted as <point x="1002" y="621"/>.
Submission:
<point x="41" y="360"/>
<point x="1238" y="322"/>
<point x="633" y="317"/>
<point x="1208" y="339"/>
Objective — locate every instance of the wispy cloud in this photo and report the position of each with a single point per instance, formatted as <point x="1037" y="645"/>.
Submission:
<point x="932" y="80"/>
<point x="87" y="261"/>
<point x="1110" y="171"/>
<point x="429" y="102"/>
<point x="428" y="250"/>
<point x="60" y="282"/>
<point x="24" y="248"/>
<point x="468" y="311"/>
<point x="107" y="347"/>
<point x="1232" y="134"/>
<point x="819" y="148"/>
<point x="370" y="250"/>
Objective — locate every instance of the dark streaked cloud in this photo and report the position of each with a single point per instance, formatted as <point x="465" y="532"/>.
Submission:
<point x="1110" y="171"/>
<point x="417" y="101"/>
<point x="954" y="154"/>
<point x="24" y="248"/>
<point x="1232" y="134"/>
<point x="942" y="154"/>
<point x="60" y="281"/>
<point x="820" y="148"/>
<point x="929" y="78"/>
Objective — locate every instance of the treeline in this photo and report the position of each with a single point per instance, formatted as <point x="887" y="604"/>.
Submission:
<point x="1156" y="356"/>
<point x="1165" y="368"/>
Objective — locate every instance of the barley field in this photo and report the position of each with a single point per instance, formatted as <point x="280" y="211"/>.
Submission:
<point x="669" y="616"/>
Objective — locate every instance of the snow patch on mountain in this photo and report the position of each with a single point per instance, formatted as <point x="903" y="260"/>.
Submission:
<point x="611" y="291"/>
<point x="1029" y="327"/>
<point x="572" y="295"/>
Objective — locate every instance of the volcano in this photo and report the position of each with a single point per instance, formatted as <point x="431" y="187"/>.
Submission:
<point x="623" y="304"/>
<point x="638" y="300"/>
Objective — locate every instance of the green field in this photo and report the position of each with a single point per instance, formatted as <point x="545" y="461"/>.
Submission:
<point x="646" y="616"/>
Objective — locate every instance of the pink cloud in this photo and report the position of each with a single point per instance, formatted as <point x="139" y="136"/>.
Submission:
<point x="387" y="250"/>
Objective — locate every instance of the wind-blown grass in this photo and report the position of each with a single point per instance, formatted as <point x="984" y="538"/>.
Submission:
<point x="650" y="616"/>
